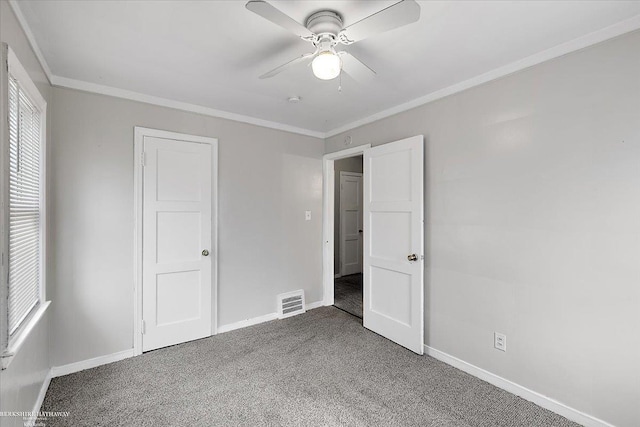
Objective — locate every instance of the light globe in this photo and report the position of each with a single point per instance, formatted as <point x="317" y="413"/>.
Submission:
<point x="326" y="65"/>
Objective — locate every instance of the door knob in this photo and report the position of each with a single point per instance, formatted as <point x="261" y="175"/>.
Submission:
<point x="412" y="257"/>
<point x="205" y="253"/>
<point x="359" y="231"/>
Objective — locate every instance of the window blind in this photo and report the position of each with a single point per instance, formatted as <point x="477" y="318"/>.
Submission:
<point x="24" y="206"/>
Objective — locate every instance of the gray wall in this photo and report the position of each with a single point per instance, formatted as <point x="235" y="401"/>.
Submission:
<point x="22" y="381"/>
<point x="351" y="164"/>
<point x="533" y="225"/>
<point x="532" y="208"/>
<point x="267" y="179"/>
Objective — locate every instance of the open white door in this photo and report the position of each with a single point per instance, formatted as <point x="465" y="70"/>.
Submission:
<point x="393" y="242"/>
<point x="350" y="223"/>
<point x="177" y="251"/>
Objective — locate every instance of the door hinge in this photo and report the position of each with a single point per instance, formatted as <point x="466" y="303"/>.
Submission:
<point x="143" y="159"/>
<point x="144" y="327"/>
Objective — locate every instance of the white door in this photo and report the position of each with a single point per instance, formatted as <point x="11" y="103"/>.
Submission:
<point x="176" y="265"/>
<point x="350" y="223"/>
<point x="393" y="242"/>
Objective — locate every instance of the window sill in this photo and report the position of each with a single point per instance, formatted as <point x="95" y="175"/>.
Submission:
<point x="14" y="348"/>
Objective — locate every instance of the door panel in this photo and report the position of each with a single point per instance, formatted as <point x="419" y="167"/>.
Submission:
<point x="393" y="173"/>
<point x="178" y="297"/>
<point x="391" y="294"/>
<point x="179" y="236"/>
<point x="394" y="228"/>
<point x="393" y="223"/>
<point x="350" y="223"/>
<point x="179" y="175"/>
<point x="177" y="209"/>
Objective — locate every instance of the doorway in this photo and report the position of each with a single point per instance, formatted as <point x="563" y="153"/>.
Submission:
<point x="392" y="238"/>
<point x="348" y="241"/>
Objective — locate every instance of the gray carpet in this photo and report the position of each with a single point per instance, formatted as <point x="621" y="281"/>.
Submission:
<point x="319" y="368"/>
<point x="348" y="294"/>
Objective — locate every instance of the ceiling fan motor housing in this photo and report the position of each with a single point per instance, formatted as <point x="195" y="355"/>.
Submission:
<point x="325" y="22"/>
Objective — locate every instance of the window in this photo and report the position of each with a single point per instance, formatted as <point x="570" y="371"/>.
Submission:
<point x="24" y="206"/>
<point x="23" y="192"/>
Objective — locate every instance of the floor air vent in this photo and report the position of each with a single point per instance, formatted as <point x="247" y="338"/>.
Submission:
<point x="290" y="304"/>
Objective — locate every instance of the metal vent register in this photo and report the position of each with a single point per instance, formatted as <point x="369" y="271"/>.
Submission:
<point x="290" y="304"/>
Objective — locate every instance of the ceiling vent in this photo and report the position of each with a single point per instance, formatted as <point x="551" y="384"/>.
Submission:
<point x="290" y="304"/>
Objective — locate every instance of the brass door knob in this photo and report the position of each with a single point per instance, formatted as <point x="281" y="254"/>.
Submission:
<point x="205" y="253"/>
<point x="412" y="257"/>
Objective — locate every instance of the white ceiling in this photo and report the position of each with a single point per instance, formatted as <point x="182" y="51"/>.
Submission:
<point x="210" y="53"/>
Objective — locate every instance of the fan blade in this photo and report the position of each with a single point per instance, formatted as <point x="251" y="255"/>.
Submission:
<point x="356" y="68"/>
<point x="397" y="15"/>
<point x="283" y="67"/>
<point x="272" y="14"/>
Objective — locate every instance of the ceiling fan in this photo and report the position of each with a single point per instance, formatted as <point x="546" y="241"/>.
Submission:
<point x="325" y="30"/>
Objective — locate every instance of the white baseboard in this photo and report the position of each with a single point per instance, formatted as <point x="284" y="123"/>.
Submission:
<point x="40" y="400"/>
<point x="248" y="322"/>
<point x="530" y="395"/>
<point x="261" y="319"/>
<point x="313" y="305"/>
<point x="58" y="371"/>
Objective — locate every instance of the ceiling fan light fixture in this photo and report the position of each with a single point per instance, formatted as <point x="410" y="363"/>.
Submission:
<point x="326" y="65"/>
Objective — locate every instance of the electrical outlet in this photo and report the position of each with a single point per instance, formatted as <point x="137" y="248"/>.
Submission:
<point x="500" y="341"/>
<point x="307" y="215"/>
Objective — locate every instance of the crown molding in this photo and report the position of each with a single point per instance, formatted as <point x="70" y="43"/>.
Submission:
<point x="55" y="80"/>
<point x="612" y="31"/>
<point x="31" y="38"/>
<point x="178" y="105"/>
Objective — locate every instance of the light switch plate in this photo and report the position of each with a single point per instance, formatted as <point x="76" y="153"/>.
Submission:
<point x="307" y="215"/>
<point x="500" y="341"/>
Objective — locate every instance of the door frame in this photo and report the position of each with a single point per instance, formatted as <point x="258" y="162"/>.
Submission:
<point x="342" y="245"/>
<point x="138" y="172"/>
<point x="328" y="212"/>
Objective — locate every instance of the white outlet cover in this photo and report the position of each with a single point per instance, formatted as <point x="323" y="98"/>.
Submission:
<point x="307" y="215"/>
